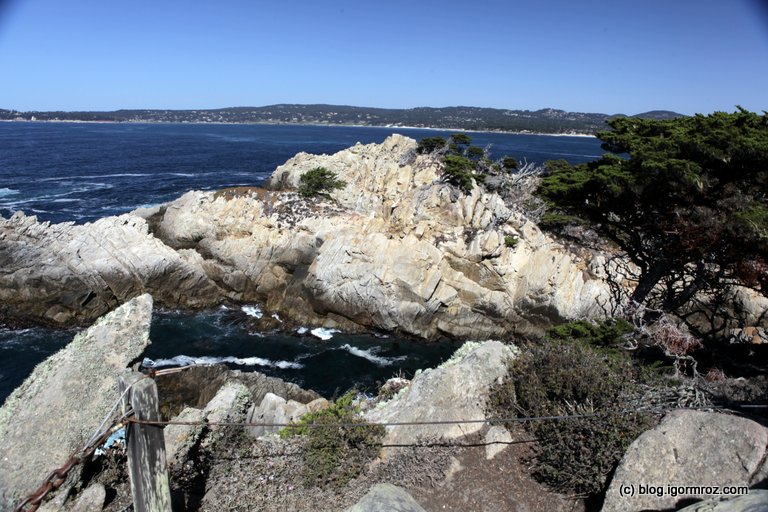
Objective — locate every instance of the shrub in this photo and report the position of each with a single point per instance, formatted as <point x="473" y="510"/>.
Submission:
<point x="430" y="145"/>
<point x="510" y="241"/>
<point x="319" y="182"/>
<point x="458" y="171"/>
<point x="335" y="454"/>
<point x="509" y="163"/>
<point x="570" y="376"/>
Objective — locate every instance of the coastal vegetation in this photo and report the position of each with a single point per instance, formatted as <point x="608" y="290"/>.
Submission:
<point x="464" y="164"/>
<point x="685" y="200"/>
<point x="336" y="452"/>
<point x="576" y="371"/>
<point x="319" y="182"/>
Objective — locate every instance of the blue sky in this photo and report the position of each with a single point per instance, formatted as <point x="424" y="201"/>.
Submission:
<point x="611" y="56"/>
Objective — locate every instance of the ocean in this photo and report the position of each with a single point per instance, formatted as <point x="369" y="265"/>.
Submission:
<point x="80" y="172"/>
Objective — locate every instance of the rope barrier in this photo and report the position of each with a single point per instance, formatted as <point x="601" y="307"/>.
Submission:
<point x="365" y="424"/>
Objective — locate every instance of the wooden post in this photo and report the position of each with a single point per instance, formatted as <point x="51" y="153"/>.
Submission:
<point x="145" y="444"/>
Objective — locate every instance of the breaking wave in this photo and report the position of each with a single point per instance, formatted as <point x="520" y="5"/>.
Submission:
<point x="183" y="360"/>
<point x="371" y="356"/>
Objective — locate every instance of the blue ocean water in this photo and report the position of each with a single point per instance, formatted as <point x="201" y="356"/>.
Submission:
<point x="84" y="171"/>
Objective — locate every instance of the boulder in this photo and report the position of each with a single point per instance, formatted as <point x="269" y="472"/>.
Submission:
<point x="456" y="390"/>
<point x="689" y="448"/>
<point x="386" y="498"/>
<point x="180" y="439"/>
<point x="497" y="439"/>
<point x="63" y="402"/>
<point x="276" y="410"/>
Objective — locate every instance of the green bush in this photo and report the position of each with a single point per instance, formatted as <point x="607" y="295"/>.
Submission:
<point x="430" y="145"/>
<point x="510" y="163"/>
<point x="458" y="171"/>
<point x="319" y="182"/>
<point x="335" y="454"/>
<point x="571" y="376"/>
<point x="510" y="241"/>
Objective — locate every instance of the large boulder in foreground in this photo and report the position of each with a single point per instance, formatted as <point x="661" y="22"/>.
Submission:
<point x="688" y="448"/>
<point x="67" y="396"/>
<point x="456" y="390"/>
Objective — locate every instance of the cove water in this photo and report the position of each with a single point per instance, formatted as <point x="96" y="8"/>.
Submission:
<point x="80" y="172"/>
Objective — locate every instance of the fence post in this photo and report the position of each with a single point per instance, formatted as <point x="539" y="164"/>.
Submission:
<point x="145" y="444"/>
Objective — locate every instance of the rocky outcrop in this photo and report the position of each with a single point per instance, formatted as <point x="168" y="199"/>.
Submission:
<point x="67" y="274"/>
<point x="64" y="400"/>
<point x="397" y="249"/>
<point x="689" y="449"/>
<point x="456" y="390"/>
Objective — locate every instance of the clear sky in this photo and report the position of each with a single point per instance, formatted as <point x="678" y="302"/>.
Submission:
<point x="609" y="56"/>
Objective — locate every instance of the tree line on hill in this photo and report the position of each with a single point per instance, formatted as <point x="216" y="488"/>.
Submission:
<point x="465" y="118"/>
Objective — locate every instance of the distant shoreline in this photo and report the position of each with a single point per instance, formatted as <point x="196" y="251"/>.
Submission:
<point x="506" y="132"/>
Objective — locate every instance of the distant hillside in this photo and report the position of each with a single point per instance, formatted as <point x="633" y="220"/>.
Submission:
<point x="467" y="118"/>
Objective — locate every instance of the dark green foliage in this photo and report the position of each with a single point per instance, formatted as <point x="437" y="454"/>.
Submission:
<point x="566" y="376"/>
<point x="509" y="163"/>
<point x="610" y="333"/>
<point x="464" y="163"/>
<point x="475" y="153"/>
<point x="459" y="171"/>
<point x="688" y="205"/>
<point x="461" y="139"/>
<point x="430" y="145"/>
<point x="334" y="454"/>
<point x="510" y="241"/>
<point x="555" y="221"/>
<point x="319" y="182"/>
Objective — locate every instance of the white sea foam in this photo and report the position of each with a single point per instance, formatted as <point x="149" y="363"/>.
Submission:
<point x="302" y="330"/>
<point x="277" y="317"/>
<point x="370" y="355"/>
<point x="7" y="192"/>
<point x="183" y="360"/>
<point x="323" y="333"/>
<point x="182" y="174"/>
<point x="254" y="311"/>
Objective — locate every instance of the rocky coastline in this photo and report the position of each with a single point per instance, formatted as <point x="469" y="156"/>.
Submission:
<point x="397" y="250"/>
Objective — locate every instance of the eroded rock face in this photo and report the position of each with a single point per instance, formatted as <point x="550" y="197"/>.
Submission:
<point x="396" y="249"/>
<point x="65" y="399"/>
<point x="689" y="448"/>
<point x="66" y="274"/>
